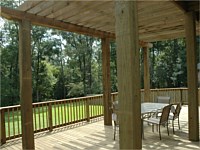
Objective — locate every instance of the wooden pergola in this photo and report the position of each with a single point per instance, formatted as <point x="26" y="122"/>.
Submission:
<point x="132" y="24"/>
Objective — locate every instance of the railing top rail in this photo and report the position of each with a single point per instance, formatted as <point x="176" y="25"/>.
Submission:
<point x="55" y="101"/>
<point x="85" y="98"/>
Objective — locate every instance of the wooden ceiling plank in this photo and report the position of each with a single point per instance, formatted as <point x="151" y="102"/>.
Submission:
<point x="98" y="23"/>
<point x="156" y="7"/>
<point x="57" y="6"/>
<point x="160" y="26"/>
<point x="68" y="6"/>
<point x="97" y="20"/>
<point x="164" y="19"/>
<point x="28" y="5"/>
<point x="75" y="7"/>
<point x="162" y="14"/>
<point x="42" y="6"/>
<point x="81" y="10"/>
<point x="52" y="23"/>
<point x="91" y="18"/>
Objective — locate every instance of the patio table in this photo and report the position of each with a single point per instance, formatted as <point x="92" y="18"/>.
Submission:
<point x="151" y="107"/>
<point x="147" y="109"/>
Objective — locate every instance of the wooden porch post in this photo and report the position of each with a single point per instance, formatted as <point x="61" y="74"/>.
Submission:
<point x="106" y="81"/>
<point x="128" y="74"/>
<point x="146" y="75"/>
<point x="191" y="47"/>
<point x="26" y="84"/>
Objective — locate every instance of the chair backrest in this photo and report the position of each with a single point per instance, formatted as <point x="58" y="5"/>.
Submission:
<point x="163" y="99"/>
<point x="115" y="108"/>
<point x="177" y="111"/>
<point x="165" y="114"/>
<point x="115" y="105"/>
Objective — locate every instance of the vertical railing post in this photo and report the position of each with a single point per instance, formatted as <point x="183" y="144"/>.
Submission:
<point x="181" y="93"/>
<point x="2" y="126"/>
<point x="50" y="116"/>
<point x="87" y="110"/>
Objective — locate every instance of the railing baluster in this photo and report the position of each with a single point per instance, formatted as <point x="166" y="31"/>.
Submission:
<point x="58" y="113"/>
<point x="83" y="109"/>
<point x="74" y="115"/>
<point x="8" y="123"/>
<point x="68" y="113"/>
<point x="65" y="111"/>
<point x="76" y="103"/>
<point x="87" y="110"/>
<point x="43" y="116"/>
<point x="62" y="115"/>
<point x="3" y="128"/>
<point x="98" y="106"/>
<point x="71" y="111"/>
<point x="39" y="117"/>
<point x="50" y="117"/>
<point x="79" y="110"/>
<point x="46" y="112"/>
<point x="35" y="119"/>
<point x="18" y="120"/>
<point x="55" y="116"/>
<point x="13" y="119"/>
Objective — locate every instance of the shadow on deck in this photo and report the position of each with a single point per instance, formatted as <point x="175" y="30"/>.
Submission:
<point x="96" y="136"/>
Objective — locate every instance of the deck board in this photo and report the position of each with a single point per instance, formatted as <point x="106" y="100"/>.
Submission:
<point x="96" y="136"/>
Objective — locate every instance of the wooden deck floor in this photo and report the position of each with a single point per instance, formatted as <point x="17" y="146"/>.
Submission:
<point x="96" y="136"/>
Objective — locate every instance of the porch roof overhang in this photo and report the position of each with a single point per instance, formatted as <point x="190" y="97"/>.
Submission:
<point x="157" y="20"/>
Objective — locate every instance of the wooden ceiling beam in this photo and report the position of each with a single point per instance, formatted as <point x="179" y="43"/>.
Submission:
<point x="12" y="14"/>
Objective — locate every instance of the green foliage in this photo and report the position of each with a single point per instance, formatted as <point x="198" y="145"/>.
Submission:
<point x="168" y="65"/>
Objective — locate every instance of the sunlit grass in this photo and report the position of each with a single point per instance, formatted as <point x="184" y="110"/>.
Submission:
<point x="61" y="114"/>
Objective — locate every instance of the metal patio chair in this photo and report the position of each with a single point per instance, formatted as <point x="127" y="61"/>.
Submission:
<point x="175" y="115"/>
<point x="163" y="120"/>
<point x="115" y="119"/>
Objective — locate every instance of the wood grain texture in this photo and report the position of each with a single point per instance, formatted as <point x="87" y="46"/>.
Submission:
<point x="157" y="20"/>
<point x="25" y="74"/>
<point x="191" y="49"/>
<point x="2" y="127"/>
<point x="128" y="74"/>
<point x="106" y="81"/>
<point x="146" y="75"/>
<point x="95" y="135"/>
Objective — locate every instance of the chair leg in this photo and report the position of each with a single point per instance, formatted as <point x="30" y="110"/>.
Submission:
<point x="179" y="124"/>
<point x="173" y="126"/>
<point x="159" y="132"/>
<point x="142" y="129"/>
<point x="167" y="129"/>
<point x="114" y="131"/>
<point x="152" y="127"/>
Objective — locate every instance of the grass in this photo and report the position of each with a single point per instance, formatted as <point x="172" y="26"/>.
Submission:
<point x="61" y="113"/>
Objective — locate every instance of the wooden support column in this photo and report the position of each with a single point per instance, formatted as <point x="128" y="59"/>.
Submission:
<point x="191" y="47"/>
<point x="106" y="81"/>
<point x="147" y="91"/>
<point x="26" y="84"/>
<point x="126" y="28"/>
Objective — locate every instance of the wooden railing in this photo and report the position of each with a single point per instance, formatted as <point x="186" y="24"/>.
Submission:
<point x="50" y="115"/>
<point x="177" y="95"/>
<point x="54" y="114"/>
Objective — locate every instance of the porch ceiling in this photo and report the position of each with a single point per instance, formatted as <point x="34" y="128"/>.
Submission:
<point x="158" y="20"/>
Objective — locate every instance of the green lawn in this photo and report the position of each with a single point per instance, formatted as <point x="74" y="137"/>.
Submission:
<point x="60" y="114"/>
